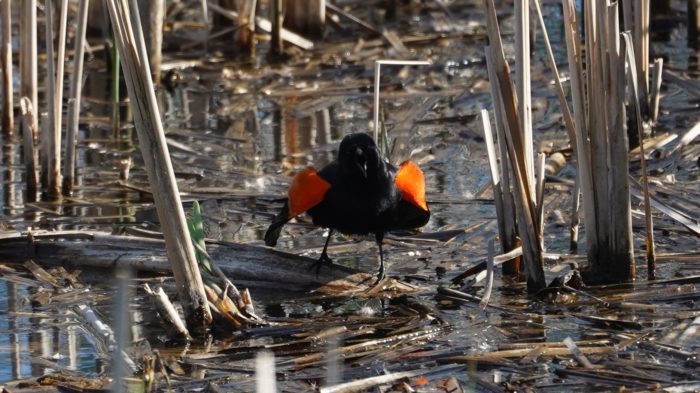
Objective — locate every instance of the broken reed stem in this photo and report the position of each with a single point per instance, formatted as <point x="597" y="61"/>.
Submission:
<point x="28" y="84"/>
<point x="7" y="103"/>
<point x="525" y="206"/>
<point x="157" y="162"/>
<point x="74" y="98"/>
<point x="174" y="326"/>
<point x="51" y="156"/>
<point x="27" y="124"/>
<point x="655" y="94"/>
<point x="635" y="103"/>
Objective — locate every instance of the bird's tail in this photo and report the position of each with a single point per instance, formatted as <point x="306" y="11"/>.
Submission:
<point x="273" y="231"/>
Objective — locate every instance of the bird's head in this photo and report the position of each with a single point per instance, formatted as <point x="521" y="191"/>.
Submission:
<point x="359" y="158"/>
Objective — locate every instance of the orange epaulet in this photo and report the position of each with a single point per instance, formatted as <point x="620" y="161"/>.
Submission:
<point x="307" y="190"/>
<point x="409" y="180"/>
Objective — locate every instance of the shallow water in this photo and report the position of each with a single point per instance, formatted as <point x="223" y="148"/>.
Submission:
<point x="247" y="130"/>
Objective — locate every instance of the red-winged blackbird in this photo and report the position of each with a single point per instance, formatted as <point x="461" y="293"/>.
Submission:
<point x="358" y="193"/>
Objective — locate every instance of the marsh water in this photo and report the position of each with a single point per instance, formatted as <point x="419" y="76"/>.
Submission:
<point x="238" y="129"/>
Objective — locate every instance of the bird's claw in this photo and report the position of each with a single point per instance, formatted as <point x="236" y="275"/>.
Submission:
<point x="380" y="275"/>
<point x="323" y="260"/>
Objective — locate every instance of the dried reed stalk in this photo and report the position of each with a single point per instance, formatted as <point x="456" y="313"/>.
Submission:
<point x="655" y="94"/>
<point x="635" y="103"/>
<point x="51" y="152"/>
<point x="277" y="19"/>
<point x="174" y="326"/>
<point x="570" y="129"/>
<point x="306" y="16"/>
<point x="26" y="125"/>
<point x="693" y="20"/>
<point x="28" y="84"/>
<point x="153" y="145"/>
<point x="601" y="142"/>
<point x="245" y="34"/>
<point x="115" y="90"/>
<point x="509" y="238"/>
<point x="503" y="199"/>
<point x="525" y="205"/>
<point x="377" y="77"/>
<point x="60" y="61"/>
<point x="539" y="189"/>
<point x="74" y="99"/>
<point x="156" y="17"/>
<point x="640" y="29"/>
<point x="265" y="25"/>
<point x="522" y="85"/>
<point x="7" y="102"/>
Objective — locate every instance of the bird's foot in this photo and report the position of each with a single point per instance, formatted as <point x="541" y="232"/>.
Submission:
<point x="323" y="260"/>
<point x="380" y="275"/>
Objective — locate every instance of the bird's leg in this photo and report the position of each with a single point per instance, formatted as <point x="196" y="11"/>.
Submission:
<point x="324" y="259"/>
<point x="379" y="237"/>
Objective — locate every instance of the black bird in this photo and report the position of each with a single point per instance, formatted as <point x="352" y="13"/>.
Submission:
<point x="359" y="193"/>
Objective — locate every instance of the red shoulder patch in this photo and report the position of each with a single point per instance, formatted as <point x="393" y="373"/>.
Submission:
<point x="306" y="191"/>
<point x="409" y="179"/>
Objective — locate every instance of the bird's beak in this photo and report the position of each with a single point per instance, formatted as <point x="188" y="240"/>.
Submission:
<point x="363" y="169"/>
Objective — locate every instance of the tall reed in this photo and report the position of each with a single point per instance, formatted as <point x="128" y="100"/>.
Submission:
<point x="601" y="140"/>
<point x="51" y="136"/>
<point x="75" y="95"/>
<point x="7" y="101"/>
<point x="508" y="115"/>
<point x="134" y="58"/>
<point x="28" y="84"/>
